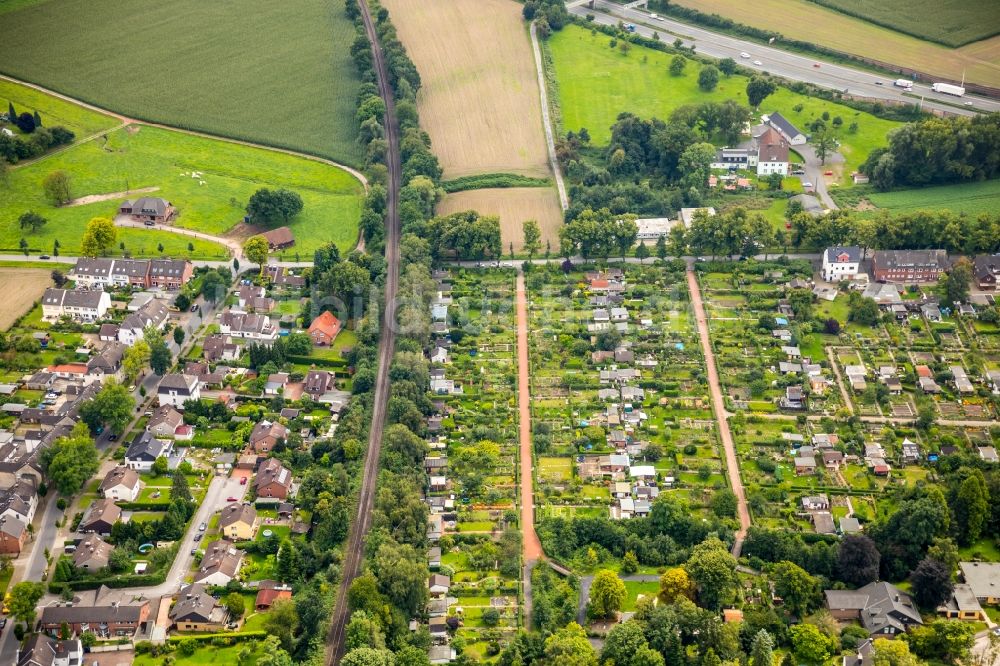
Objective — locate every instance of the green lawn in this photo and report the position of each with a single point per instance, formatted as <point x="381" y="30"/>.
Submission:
<point x="596" y="83"/>
<point x="969" y="198"/>
<point x="278" y="73"/>
<point x="53" y="111"/>
<point x="153" y="157"/>
<point x="204" y="656"/>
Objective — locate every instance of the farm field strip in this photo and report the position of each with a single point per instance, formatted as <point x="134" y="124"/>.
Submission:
<point x="222" y="69"/>
<point x="810" y="22"/>
<point x="479" y="105"/>
<point x="514" y="206"/>
<point x="969" y="198"/>
<point x="22" y="287"/>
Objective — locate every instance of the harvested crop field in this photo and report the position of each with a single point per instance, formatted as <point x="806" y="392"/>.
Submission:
<point x="809" y="22"/>
<point x="513" y="205"/>
<point x="277" y="73"/>
<point x="22" y="287"/>
<point x="479" y="96"/>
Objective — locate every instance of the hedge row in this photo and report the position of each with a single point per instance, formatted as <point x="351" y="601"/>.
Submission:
<point x="232" y="637"/>
<point x="493" y="180"/>
<point x="318" y="362"/>
<point x="142" y="580"/>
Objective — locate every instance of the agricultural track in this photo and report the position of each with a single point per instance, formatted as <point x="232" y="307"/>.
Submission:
<point x="362" y="520"/>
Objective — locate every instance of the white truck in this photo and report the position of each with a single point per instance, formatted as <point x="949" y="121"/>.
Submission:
<point x="948" y="89"/>
<point x="906" y="84"/>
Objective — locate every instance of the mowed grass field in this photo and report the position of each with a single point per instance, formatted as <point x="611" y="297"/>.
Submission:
<point x="277" y="73"/>
<point x="968" y="198"/>
<point x="140" y="156"/>
<point x="54" y="111"/>
<point x="22" y="287"/>
<point x="956" y="22"/>
<point x="514" y="206"/>
<point x="479" y="96"/>
<point x="596" y="83"/>
<point x="807" y="21"/>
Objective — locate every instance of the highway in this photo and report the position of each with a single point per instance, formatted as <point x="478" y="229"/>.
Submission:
<point x="354" y="548"/>
<point x="785" y="64"/>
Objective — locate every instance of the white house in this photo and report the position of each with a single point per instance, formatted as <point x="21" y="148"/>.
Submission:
<point x="175" y="389"/>
<point x="122" y="484"/>
<point x="83" y="305"/>
<point x="653" y="228"/>
<point x="153" y="314"/>
<point x="841" y="263"/>
<point x="772" y="154"/>
<point x="145" y="449"/>
<point x="687" y="214"/>
<point x="785" y="128"/>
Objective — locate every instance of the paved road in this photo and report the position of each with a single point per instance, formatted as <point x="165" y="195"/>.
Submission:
<point x="815" y="169"/>
<point x="532" y="545"/>
<point x="719" y="407"/>
<point x="783" y="63"/>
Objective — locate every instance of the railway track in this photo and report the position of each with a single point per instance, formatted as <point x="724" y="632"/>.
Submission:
<point x="354" y="550"/>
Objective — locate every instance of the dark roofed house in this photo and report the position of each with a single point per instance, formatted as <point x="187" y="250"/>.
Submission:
<point x="169" y="273"/>
<point x="219" y="347"/>
<point x="152" y="209"/>
<point x="220" y="563"/>
<point x="317" y="383"/>
<point x="197" y="610"/>
<point x="279" y="238"/>
<point x="909" y="266"/>
<point x="13" y="535"/>
<point x="100" y="517"/>
<point x="882" y="608"/>
<point x="273" y="480"/>
<point x="145" y="449"/>
<point x="121" y="484"/>
<point x="176" y="389"/>
<point x="92" y="553"/>
<point x="265" y="436"/>
<point x="43" y="650"/>
<point x="986" y="270"/>
<point x="105" y="612"/>
<point x="789" y="131"/>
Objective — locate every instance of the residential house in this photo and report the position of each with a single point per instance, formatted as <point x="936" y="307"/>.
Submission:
<point x="909" y="266"/>
<point x="438" y="585"/>
<point x="324" y="329"/>
<point x="219" y="347"/>
<point x="276" y="383"/>
<point x="107" y="363"/>
<point x="788" y="131"/>
<point x="278" y="239"/>
<point x="882" y="608"/>
<point x="220" y="563"/>
<point x="238" y="521"/>
<point x="986" y="270"/>
<point x="266" y="435"/>
<point x="269" y="591"/>
<point x="169" y="274"/>
<point x="841" y="263"/>
<point x="805" y="465"/>
<point x="176" y="389"/>
<point x="984" y="580"/>
<point x="963" y="605"/>
<point x="100" y="517"/>
<point x="197" y="610"/>
<point x="121" y="484"/>
<point x="145" y="449"/>
<point x="282" y="277"/>
<point x="147" y="209"/>
<point x="92" y="553"/>
<point x="20" y="500"/>
<point x="153" y="314"/>
<point x="254" y="298"/>
<point x="108" y="332"/>
<point x="772" y="154"/>
<point x="91" y="273"/>
<point x="83" y="305"/>
<point x="105" y="612"/>
<point x="13" y="535"/>
<point x="253" y="327"/>
<point x="273" y="480"/>
<point x="43" y="650"/>
<point x="164" y="421"/>
<point x="794" y="398"/>
<point x="816" y="503"/>
<point x="317" y="383"/>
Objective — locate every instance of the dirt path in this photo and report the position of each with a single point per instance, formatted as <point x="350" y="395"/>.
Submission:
<point x="94" y="198"/>
<point x="719" y="407"/>
<point x="840" y="380"/>
<point x="546" y="120"/>
<point x="532" y="546"/>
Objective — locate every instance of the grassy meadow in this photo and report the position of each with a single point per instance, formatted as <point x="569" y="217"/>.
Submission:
<point x="596" y="83"/>
<point x="956" y="22"/>
<point x="54" y="111"/>
<point x="139" y="157"/>
<point x="273" y="73"/>
<point x="968" y="198"/>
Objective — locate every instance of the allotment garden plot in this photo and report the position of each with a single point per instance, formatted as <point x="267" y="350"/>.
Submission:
<point x="473" y="453"/>
<point x="830" y="414"/>
<point x="620" y="406"/>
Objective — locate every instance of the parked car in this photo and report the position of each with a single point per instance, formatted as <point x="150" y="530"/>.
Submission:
<point x="232" y="499"/>
<point x="243" y="481"/>
<point x="44" y="256"/>
<point x="194" y="308"/>
<point x="202" y="527"/>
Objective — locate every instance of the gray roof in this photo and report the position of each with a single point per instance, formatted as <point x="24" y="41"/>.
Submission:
<point x="879" y="604"/>
<point x="178" y="382"/>
<point x="196" y="605"/>
<point x="782" y="124"/>
<point x="152" y="205"/>
<point x="146" y="447"/>
<point x="102" y="605"/>
<point x="853" y="253"/>
<point x="167" y="267"/>
<point x="235" y="513"/>
<point x="910" y="258"/>
<point x="77" y="298"/>
<point x="982" y="577"/>
<point x="93" y="267"/>
<point x="152" y="313"/>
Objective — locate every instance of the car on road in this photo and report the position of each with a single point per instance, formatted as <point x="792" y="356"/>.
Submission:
<point x="194" y="308"/>
<point x="807" y="185"/>
<point x="656" y="17"/>
<point x="968" y="103"/>
<point x="202" y="527"/>
<point x="232" y="499"/>
<point x="816" y="65"/>
<point x="131" y="388"/>
<point x="194" y="551"/>
<point x="744" y="55"/>
<point x="112" y="437"/>
<point x="149" y="223"/>
<point x="243" y="481"/>
<point x="878" y="83"/>
<point x="3" y="622"/>
<point x="44" y="256"/>
<point x="758" y="63"/>
<point x="827" y="173"/>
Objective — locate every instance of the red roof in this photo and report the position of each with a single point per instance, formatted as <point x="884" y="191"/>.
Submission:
<point x="924" y="371"/>
<point x="598" y="283"/>
<point x="268" y="596"/>
<point x="79" y="368"/>
<point x="326" y="323"/>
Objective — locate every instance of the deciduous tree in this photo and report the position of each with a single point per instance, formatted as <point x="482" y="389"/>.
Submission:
<point x="31" y="221"/>
<point x="607" y="594"/>
<point x="111" y="407"/>
<point x="758" y="89"/>
<point x="256" y="249"/>
<point x="71" y="460"/>
<point x="99" y="237"/>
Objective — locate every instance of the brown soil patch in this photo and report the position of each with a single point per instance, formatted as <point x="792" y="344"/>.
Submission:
<point x="513" y="206"/>
<point x="22" y="287"/>
<point x="94" y="198"/>
<point x="479" y="96"/>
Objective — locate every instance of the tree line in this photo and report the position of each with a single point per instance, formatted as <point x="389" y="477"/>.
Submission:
<point x="39" y="139"/>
